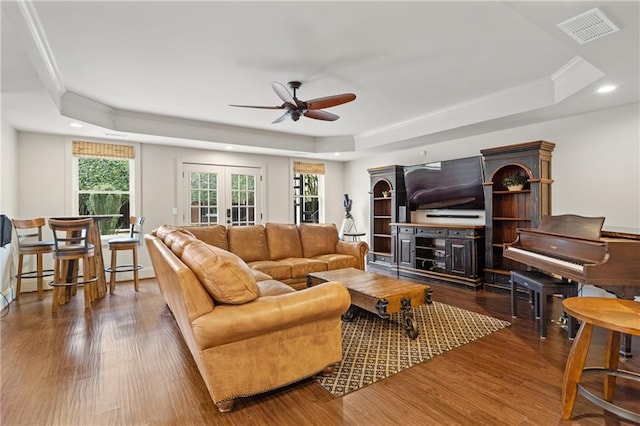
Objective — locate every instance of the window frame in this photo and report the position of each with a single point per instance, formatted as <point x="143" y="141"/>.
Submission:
<point x="72" y="182"/>
<point x="297" y="214"/>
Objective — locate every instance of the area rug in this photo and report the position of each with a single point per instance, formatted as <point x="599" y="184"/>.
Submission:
<point x="374" y="348"/>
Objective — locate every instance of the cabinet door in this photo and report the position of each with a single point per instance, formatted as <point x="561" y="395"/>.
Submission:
<point x="458" y="257"/>
<point x="405" y="250"/>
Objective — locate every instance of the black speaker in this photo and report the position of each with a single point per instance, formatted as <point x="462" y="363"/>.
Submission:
<point x="5" y="230"/>
<point x="402" y="213"/>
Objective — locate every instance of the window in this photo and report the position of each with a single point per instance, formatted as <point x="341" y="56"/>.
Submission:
<point x="103" y="183"/>
<point x="308" y="190"/>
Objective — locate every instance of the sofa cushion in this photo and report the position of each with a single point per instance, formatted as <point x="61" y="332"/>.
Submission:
<point x="273" y="288"/>
<point x="248" y="242"/>
<point x="283" y="241"/>
<point x="338" y="261"/>
<point x="226" y="277"/>
<point x="318" y="238"/>
<point x="165" y="230"/>
<point x="276" y="270"/>
<point x="178" y="240"/>
<point x="260" y="276"/>
<point x="301" y="267"/>
<point x="216" y="235"/>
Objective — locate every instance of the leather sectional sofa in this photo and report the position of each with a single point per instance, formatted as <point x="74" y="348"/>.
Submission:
<point x="286" y="252"/>
<point x="249" y="333"/>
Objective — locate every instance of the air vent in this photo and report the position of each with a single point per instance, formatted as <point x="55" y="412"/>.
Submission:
<point x="588" y="26"/>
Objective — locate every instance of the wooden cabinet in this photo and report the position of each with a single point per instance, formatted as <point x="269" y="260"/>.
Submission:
<point x="505" y="210"/>
<point x="388" y="205"/>
<point x="450" y="253"/>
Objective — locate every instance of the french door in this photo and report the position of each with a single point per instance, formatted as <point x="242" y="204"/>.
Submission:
<point x="221" y="195"/>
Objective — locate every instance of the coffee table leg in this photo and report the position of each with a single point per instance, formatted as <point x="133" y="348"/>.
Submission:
<point x="381" y="307"/>
<point x="407" y="319"/>
<point x="350" y="314"/>
<point x="427" y="296"/>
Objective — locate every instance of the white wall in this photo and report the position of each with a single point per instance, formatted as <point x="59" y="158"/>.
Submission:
<point x="595" y="164"/>
<point x="8" y="204"/>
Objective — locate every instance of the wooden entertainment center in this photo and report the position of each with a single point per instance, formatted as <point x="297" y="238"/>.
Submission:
<point x="460" y="253"/>
<point x="445" y="252"/>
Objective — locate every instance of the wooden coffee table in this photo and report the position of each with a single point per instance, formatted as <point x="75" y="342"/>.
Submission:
<point x="378" y="294"/>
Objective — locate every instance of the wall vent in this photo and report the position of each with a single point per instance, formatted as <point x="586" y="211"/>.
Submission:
<point x="588" y="26"/>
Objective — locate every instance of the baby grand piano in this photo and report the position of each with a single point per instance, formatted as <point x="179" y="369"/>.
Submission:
<point x="576" y="248"/>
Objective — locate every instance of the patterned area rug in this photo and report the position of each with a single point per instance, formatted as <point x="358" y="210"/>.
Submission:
<point x="374" y="348"/>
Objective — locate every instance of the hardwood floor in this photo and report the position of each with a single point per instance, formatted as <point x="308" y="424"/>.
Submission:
<point x="124" y="362"/>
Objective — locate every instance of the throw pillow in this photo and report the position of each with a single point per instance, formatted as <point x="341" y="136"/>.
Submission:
<point x="226" y="277"/>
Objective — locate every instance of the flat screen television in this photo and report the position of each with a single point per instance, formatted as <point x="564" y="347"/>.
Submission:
<point x="451" y="184"/>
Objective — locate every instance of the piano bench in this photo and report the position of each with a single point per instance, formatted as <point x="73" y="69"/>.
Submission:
<point x="542" y="286"/>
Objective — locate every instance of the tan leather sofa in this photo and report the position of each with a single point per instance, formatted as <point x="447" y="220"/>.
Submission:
<point x="247" y="333"/>
<point x="286" y="252"/>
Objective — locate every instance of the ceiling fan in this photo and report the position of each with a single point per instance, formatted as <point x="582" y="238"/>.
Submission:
<point x="294" y="107"/>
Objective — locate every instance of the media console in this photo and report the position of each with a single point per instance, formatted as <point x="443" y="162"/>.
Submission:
<point x="451" y="253"/>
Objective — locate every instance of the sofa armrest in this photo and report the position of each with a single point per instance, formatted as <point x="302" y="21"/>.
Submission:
<point x="231" y="323"/>
<point x="357" y="249"/>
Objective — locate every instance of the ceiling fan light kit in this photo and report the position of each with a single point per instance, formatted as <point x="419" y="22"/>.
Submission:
<point x="295" y="108"/>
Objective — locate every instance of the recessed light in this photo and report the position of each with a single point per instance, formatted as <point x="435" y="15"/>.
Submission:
<point x="229" y="147"/>
<point x="606" y="88"/>
<point x="77" y="125"/>
<point x="337" y="154"/>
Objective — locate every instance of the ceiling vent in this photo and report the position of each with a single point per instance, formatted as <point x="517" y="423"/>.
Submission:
<point x="588" y="26"/>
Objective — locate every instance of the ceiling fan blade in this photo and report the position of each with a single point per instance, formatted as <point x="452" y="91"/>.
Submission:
<point x="261" y="107"/>
<point x="283" y="93"/>
<point x="282" y="117"/>
<point x="329" y="101"/>
<point x="321" y="115"/>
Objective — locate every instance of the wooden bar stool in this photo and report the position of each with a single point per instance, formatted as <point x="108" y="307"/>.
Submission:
<point x="29" y="235"/>
<point x="71" y="237"/>
<point x="616" y="316"/>
<point x="126" y="243"/>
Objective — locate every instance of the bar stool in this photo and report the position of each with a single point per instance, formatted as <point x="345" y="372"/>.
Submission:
<point x="29" y="235"/>
<point x="126" y="243"/>
<point x="616" y="316"/>
<point x="542" y="285"/>
<point x="71" y="237"/>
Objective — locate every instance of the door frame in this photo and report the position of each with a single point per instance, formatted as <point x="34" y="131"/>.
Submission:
<point x="179" y="211"/>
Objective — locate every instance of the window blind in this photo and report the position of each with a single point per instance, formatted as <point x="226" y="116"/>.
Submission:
<point x="93" y="149"/>
<point x="308" y="168"/>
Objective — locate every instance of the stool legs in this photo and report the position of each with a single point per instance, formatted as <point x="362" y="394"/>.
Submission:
<point x="135" y="268"/>
<point x="124" y="268"/>
<point x="39" y="276"/>
<point x="19" y="278"/>
<point x="63" y="289"/>
<point x="573" y="370"/>
<point x="40" y="279"/>
<point x="112" y="276"/>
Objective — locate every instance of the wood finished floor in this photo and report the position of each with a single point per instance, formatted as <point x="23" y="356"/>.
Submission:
<point x="124" y="363"/>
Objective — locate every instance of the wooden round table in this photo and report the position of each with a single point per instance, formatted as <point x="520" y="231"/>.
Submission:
<point x="616" y="316"/>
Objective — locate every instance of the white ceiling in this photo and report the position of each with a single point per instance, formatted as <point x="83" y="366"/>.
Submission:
<point x="423" y="71"/>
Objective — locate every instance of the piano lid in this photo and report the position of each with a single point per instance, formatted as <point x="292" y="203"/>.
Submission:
<point x="573" y="225"/>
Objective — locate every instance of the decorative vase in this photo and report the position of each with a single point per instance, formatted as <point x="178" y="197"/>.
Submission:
<point x="515" y="187"/>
